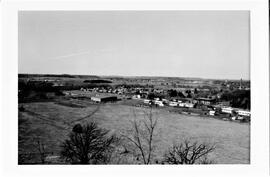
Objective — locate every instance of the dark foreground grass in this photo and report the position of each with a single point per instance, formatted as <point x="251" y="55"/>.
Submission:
<point x="50" y="123"/>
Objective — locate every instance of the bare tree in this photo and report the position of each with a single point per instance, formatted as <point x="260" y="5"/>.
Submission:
<point x="189" y="153"/>
<point x="88" y="145"/>
<point x="142" y="136"/>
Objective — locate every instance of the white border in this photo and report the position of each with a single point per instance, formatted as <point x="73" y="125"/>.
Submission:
<point x="259" y="90"/>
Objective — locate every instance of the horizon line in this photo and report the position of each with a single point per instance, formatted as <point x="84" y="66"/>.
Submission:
<point x="129" y="76"/>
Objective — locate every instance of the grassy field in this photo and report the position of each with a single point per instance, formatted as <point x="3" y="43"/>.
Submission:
<point x="50" y="122"/>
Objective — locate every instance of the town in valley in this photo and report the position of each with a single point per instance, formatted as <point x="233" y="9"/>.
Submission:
<point x="49" y="105"/>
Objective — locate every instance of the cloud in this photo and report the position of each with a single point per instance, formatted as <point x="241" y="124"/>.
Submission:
<point x="69" y="55"/>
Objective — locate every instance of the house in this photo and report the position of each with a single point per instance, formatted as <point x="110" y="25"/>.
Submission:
<point x="228" y="110"/>
<point x="165" y="101"/>
<point x="172" y="103"/>
<point x="233" y="118"/>
<point x="146" y="101"/>
<point x="212" y="113"/>
<point x="185" y="105"/>
<point x="159" y="103"/>
<point x="181" y="104"/>
<point x="189" y="105"/>
<point x="69" y="93"/>
<point x="243" y="113"/>
<point x="136" y="97"/>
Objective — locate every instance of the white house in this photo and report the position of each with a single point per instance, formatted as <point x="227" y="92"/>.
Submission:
<point x="146" y="101"/>
<point x="136" y="96"/>
<point x="227" y="110"/>
<point x="172" y="103"/>
<point x="189" y="105"/>
<point x="159" y="103"/>
<point x="212" y="113"/>
<point x="181" y="104"/>
<point x="243" y="113"/>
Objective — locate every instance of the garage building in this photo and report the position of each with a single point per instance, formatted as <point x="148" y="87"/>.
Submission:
<point x="104" y="99"/>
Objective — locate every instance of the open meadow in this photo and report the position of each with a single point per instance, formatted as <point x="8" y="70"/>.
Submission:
<point x="51" y="122"/>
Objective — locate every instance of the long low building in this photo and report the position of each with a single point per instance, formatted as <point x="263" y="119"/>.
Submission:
<point x="243" y="113"/>
<point x="228" y="110"/>
<point x="103" y="99"/>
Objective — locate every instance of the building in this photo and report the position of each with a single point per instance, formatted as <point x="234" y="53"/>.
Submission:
<point x="136" y="97"/>
<point x="172" y="103"/>
<point x="165" y="101"/>
<point x="224" y="104"/>
<point x="186" y="105"/>
<point x="103" y="99"/>
<point x="181" y="104"/>
<point x="205" y="101"/>
<point x="189" y="105"/>
<point x="243" y="113"/>
<point x="147" y="101"/>
<point x="159" y="103"/>
<point x="212" y="113"/>
<point x="228" y="110"/>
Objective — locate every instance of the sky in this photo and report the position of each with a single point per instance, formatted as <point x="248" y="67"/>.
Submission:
<point x="204" y="44"/>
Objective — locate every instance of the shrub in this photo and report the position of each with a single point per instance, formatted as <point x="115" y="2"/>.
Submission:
<point x="189" y="153"/>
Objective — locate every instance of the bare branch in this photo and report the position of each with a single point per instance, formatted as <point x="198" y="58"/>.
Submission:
<point x="189" y="153"/>
<point x="142" y="136"/>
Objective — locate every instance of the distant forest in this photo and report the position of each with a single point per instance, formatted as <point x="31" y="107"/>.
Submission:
<point x="57" y="75"/>
<point x="238" y="98"/>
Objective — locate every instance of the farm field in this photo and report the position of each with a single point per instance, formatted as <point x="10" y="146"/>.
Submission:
<point x="50" y="123"/>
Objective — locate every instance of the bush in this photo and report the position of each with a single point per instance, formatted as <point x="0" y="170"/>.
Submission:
<point x="189" y="153"/>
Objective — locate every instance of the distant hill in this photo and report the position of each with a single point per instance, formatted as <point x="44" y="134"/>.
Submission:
<point x="58" y="75"/>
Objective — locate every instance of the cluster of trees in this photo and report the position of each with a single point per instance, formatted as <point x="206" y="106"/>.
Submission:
<point x="153" y="95"/>
<point x="37" y="86"/>
<point x="36" y="90"/>
<point x="237" y="98"/>
<point x="175" y="93"/>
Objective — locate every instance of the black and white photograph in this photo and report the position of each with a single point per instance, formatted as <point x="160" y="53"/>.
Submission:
<point x="134" y="87"/>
